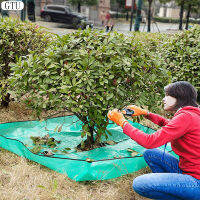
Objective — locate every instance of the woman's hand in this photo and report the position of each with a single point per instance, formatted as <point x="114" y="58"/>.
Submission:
<point x="137" y="110"/>
<point x="117" y="117"/>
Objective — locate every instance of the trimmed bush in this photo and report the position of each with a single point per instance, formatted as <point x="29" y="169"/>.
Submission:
<point x="171" y="20"/>
<point x="88" y="73"/>
<point x="180" y="54"/>
<point x="17" y="39"/>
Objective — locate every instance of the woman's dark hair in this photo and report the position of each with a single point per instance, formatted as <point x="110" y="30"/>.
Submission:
<point x="184" y="92"/>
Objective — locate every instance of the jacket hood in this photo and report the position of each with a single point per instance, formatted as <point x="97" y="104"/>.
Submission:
<point x="189" y="109"/>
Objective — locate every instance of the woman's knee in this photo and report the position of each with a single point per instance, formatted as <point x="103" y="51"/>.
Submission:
<point x="141" y="184"/>
<point x="138" y="185"/>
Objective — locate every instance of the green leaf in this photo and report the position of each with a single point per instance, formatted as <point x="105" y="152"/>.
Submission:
<point x="83" y="134"/>
<point x="111" y="76"/>
<point x="47" y="61"/>
<point x="109" y="96"/>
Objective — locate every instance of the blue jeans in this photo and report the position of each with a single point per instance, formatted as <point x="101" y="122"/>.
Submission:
<point x="167" y="181"/>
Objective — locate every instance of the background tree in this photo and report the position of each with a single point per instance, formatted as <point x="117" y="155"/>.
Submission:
<point x="191" y="6"/>
<point x="79" y="3"/>
<point x="138" y="14"/>
<point x="181" y="3"/>
<point x="150" y="14"/>
<point x="121" y="5"/>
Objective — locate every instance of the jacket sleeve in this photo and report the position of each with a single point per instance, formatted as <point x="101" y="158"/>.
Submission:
<point x="157" y="119"/>
<point x="177" y="127"/>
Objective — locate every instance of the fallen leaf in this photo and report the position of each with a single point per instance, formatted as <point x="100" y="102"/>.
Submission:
<point x="117" y="157"/>
<point x="47" y="136"/>
<point x="64" y="152"/>
<point x="47" y="153"/>
<point x="60" y="129"/>
<point x="55" y="130"/>
<point x="130" y="150"/>
<point x="133" y="154"/>
<point x="111" y="142"/>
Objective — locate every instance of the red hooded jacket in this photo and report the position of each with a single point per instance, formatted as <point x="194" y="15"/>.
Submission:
<point x="183" y="131"/>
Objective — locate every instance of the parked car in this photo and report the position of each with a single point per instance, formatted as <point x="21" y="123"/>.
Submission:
<point x="64" y="14"/>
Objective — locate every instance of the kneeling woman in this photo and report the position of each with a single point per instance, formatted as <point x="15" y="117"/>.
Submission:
<point x="172" y="178"/>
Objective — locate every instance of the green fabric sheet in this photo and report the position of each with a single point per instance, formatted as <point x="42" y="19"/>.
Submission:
<point x="108" y="162"/>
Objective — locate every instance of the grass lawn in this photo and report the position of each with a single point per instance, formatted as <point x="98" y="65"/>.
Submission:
<point x="21" y="179"/>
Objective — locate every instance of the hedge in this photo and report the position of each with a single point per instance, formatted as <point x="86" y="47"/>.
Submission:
<point x="17" y="39"/>
<point x="171" y="20"/>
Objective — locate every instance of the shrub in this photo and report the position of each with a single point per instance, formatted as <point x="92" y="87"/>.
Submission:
<point x="17" y="39"/>
<point x="181" y="55"/>
<point x="172" y="20"/>
<point x="88" y="73"/>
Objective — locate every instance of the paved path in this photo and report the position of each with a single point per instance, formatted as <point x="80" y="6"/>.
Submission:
<point x="155" y="27"/>
<point x="62" y="29"/>
<point x="57" y="28"/>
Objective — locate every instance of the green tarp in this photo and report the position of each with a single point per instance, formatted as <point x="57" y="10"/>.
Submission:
<point x="108" y="162"/>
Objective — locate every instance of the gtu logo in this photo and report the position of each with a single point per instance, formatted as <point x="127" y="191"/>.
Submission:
<point x="12" y="5"/>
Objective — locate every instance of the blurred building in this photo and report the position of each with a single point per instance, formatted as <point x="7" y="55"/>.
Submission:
<point x="103" y="7"/>
<point x="170" y="10"/>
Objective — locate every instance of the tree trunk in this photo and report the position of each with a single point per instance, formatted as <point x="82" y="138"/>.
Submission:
<point x="132" y="10"/>
<point x="127" y="16"/>
<point x="5" y="101"/>
<point x="89" y="142"/>
<point x="188" y="16"/>
<point x="79" y="7"/>
<point x="91" y="138"/>
<point x="23" y="12"/>
<point x="149" y="16"/>
<point x="181" y="15"/>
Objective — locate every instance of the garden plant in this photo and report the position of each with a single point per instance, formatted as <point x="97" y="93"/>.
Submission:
<point x="180" y="54"/>
<point x="17" y="39"/>
<point x="89" y="72"/>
